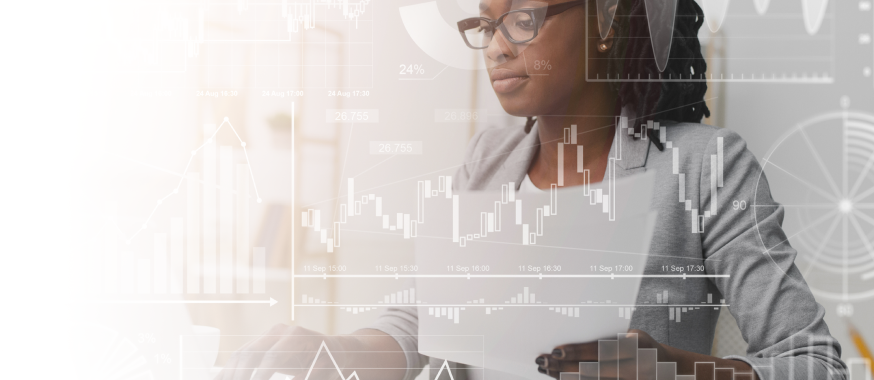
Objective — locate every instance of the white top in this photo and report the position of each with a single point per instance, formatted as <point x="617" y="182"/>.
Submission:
<point x="528" y="186"/>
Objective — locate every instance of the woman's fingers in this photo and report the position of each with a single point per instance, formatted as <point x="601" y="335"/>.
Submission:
<point x="589" y="352"/>
<point x="609" y="369"/>
<point x="583" y="352"/>
<point x="614" y="358"/>
<point x="555" y="366"/>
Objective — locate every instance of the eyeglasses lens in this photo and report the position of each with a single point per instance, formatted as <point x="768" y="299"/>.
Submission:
<point x="520" y="26"/>
<point x="480" y="35"/>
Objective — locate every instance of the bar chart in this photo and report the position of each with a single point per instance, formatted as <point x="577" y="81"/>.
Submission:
<point x="675" y="312"/>
<point x="206" y="251"/>
<point x="623" y="359"/>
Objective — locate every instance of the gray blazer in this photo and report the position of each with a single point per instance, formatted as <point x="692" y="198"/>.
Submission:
<point x="774" y="308"/>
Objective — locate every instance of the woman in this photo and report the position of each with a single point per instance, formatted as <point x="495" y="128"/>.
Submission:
<point x="775" y="310"/>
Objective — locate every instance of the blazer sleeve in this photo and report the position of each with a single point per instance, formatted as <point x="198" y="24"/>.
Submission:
<point x="775" y="310"/>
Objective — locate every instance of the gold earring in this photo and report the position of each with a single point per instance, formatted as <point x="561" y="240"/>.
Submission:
<point x="602" y="47"/>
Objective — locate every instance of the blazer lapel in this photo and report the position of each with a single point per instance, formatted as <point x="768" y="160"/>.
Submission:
<point x="516" y="165"/>
<point x="630" y="153"/>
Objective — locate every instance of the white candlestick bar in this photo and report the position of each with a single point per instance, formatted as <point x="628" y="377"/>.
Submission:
<point x="719" y="160"/>
<point x="378" y="206"/>
<point x="350" y="197"/>
<point x="512" y="192"/>
<point x="483" y="224"/>
<point x="553" y="199"/>
<point x="580" y="162"/>
<point x="560" y="164"/>
<point x="713" y="182"/>
<point x="448" y="187"/>
<point x="497" y="216"/>
<point x="420" y="201"/>
<point x="524" y="234"/>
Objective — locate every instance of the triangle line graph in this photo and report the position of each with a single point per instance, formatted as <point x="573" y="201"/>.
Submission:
<point x="446" y="366"/>
<point x="354" y="374"/>
<point x="336" y="366"/>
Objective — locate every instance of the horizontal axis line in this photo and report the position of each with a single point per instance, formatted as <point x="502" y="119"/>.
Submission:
<point x="512" y="276"/>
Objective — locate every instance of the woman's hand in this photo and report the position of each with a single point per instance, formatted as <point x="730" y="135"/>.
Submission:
<point x="623" y="362"/>
<point x="288" y="350"/>
<point x="621" y="365"/>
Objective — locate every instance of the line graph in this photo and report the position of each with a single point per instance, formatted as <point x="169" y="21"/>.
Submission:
<point x="184" y="175"/>
<point x="489" y="222"/>
<point x="325" y="43"/>
<point x="208" y="246"/>
<point x="335" y="366"/>
<point x="324" y="346"/>
<point x="604" y="196"/>
<point x="752" y="41"/>
<point x="813" y="12"/>
<point x="445" y="366"/>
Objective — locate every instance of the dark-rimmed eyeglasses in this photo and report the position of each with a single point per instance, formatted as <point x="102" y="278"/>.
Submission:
<point x="518" y="26"/>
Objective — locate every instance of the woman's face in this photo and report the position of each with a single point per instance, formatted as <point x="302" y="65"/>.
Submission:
<point x="541" y="77"/>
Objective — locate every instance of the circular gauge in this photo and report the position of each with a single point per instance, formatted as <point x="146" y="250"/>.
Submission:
<point x="822" y="173"/>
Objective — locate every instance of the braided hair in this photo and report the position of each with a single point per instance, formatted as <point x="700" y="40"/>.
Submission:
<point x="674" y="97"/>
<point x="632" y="56"/>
